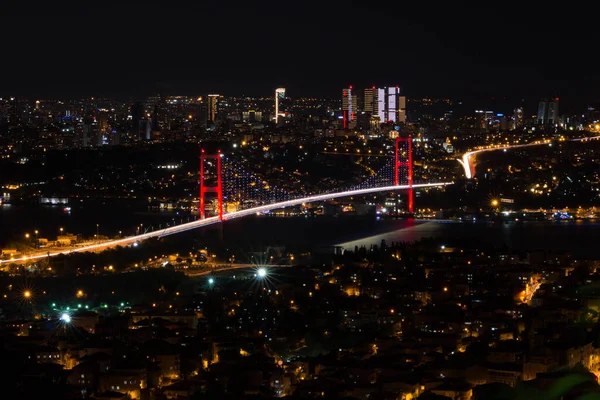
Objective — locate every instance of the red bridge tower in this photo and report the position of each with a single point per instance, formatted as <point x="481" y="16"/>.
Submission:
<point x="211" y="189"/>
<point x="407" y="163"/>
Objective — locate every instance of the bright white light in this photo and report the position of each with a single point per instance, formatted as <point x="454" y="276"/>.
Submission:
<point x="135" y="244"/>
<point x="211" y="281"/>
<point x="443" y="247"/>
<point x="262" y="272"/>
<point x="66" y="318"/>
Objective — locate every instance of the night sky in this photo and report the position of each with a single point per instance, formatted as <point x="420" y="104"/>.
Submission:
<point x="64" y="49"/>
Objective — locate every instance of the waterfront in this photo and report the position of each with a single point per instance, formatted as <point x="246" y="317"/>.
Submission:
<point x="298" y="233"/>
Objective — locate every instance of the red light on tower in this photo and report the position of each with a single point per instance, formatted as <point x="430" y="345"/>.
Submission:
<point x="373" y="87"/>
<point x="557" y="99"/>
<point x="350" y="86"/>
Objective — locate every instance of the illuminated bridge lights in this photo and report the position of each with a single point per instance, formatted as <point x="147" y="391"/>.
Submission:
<point x="129" y="241"/>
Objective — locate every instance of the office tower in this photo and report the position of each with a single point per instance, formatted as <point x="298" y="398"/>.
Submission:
<point x="548" y="112"/>
<point x="213" y="99"/>
<point x="369" y="101"/>
<point x="146" y="129"/>
<point x="203" y="115"/>
<point x="385" y="104"/>
<point x="517" y="117"/>
<point x="279" y="98"/>
<point x="349" y="107"/>
<point x="137" y="114"/>
<point x="553" y="117"/>
<point x="401" y="109"/>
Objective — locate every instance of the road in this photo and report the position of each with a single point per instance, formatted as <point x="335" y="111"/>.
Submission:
<point x="467" y="158"/>
<point x="136" y="239"/>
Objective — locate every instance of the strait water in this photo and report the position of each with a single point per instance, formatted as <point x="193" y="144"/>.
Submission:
<point x="579" y="237"/>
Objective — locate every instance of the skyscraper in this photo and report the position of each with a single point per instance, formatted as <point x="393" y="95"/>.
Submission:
<point x="213" y="99"/>
<point x="369" y="101"/>
<point x="349" y="107"/>
<point x="548" y="112"/>
<point x="279" y="97"/>
<point x="137" y="114"/>
<point x="385" y="104"/>
<point x="517" y="117"/>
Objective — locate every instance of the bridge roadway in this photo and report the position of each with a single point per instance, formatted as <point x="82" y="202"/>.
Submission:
<point x="134" y="240"/>
<point x="466" y="158"/>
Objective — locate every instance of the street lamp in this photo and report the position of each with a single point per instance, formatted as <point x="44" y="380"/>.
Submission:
<point x="98" y="232"/>
<point x="37" y="243"/>
<point x="494" y="203"/>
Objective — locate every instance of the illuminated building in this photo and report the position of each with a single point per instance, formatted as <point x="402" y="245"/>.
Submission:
<point x="279" y="97"/>
<point x="518" y="117"/>
<point x="349" y="107"/>
<point x="385" y="104"/>
<point x="548" y="112"/>
<point x="213" y="99"/>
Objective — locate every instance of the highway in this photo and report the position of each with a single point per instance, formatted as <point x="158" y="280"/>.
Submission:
<point x="466" y="160"/>
<point x="135" y="240"/>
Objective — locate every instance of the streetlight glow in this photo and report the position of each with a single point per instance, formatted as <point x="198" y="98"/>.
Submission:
<point x="66" y="318"/>
<point x="211" y="281"/>
<point x="262" y="272"/>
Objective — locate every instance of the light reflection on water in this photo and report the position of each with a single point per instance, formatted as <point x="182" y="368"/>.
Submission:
<point x="578" y="237"/>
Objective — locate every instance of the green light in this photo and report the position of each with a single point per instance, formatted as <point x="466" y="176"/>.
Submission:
<point x="122" y="304"/>
<point x="68" y="308"/>
<point x="79" y="305"/>
<point x="86" y="306"/>
<point x="53" y="304"/>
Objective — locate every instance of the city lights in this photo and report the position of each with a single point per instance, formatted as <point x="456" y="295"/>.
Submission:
<point x="261" y="272"/>
<point x="66" y="318"/>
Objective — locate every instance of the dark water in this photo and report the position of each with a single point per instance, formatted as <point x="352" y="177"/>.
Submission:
<point x="110" y="216"/>
<point x="578" y="237"/>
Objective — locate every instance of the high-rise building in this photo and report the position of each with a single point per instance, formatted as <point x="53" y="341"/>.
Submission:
<point x="385" y="104"/>
<point x="137" y="114"/>
<point x="517" y="118"/>
<point x="349" y="107"/>
<point x="370" y="101"/>
<point x="548" y="112"/>
<point x="279" y="98"/>
<point x="213" y="100"/>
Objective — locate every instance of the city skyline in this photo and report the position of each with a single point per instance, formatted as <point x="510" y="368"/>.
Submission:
<point x="130" y="50"/>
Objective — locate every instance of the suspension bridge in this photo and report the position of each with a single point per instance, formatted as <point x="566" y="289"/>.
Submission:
<point x="232" y="192"/>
